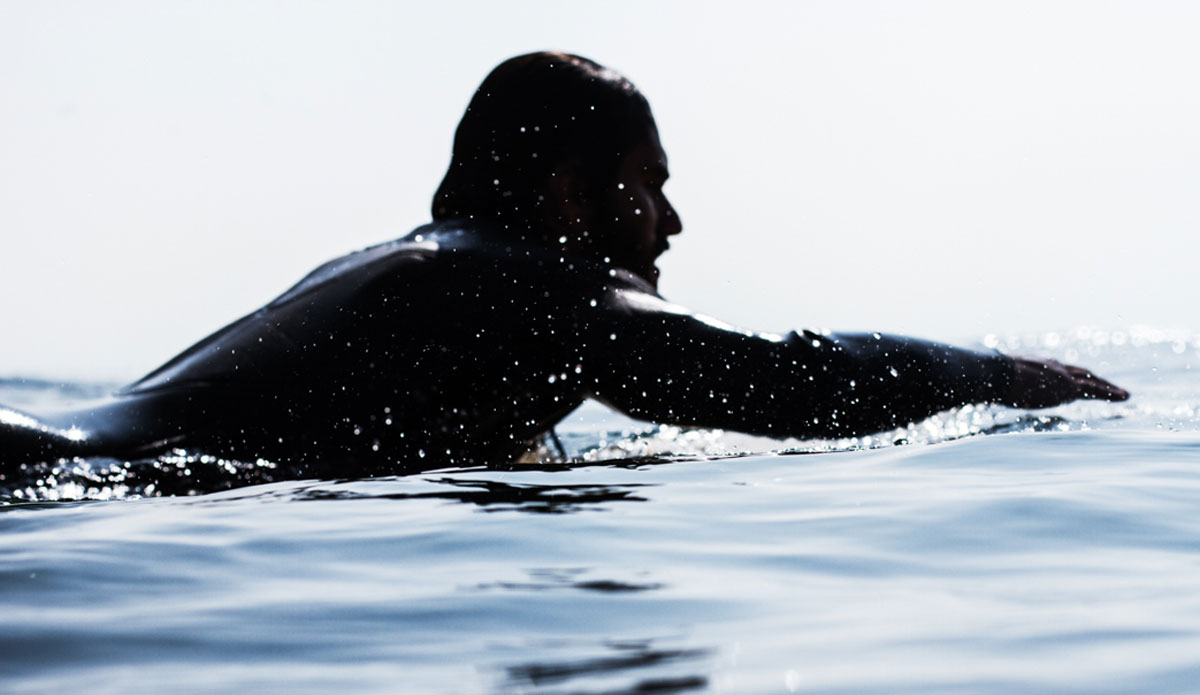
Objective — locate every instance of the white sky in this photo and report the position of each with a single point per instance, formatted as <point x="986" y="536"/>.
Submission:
<point x="943" y="169"/>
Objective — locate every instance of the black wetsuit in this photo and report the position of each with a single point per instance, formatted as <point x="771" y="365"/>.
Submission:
<point x="457" y="346"/>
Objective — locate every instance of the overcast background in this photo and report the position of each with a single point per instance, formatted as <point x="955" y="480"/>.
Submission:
<point x="944" y="169"/>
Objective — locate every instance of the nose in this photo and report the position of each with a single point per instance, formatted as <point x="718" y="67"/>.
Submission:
<point x="671" y="223"/>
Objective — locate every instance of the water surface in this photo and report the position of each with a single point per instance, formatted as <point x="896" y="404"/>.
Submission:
<point x="990" y="551"/>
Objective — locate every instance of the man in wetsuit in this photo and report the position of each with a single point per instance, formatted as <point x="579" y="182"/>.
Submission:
<point x="533" y="289"/>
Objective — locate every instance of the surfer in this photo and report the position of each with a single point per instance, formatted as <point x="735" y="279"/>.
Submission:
<point x="533" y="289"/>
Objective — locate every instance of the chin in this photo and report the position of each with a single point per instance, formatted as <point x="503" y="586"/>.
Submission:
<point x="648" y="272"/>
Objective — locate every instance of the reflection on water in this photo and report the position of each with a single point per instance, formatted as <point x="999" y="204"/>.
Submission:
<point x="496" y="496"/>
<point x="1032" y="423"/>
<point x="542" y="579"/>
<point x="624" y="659"/>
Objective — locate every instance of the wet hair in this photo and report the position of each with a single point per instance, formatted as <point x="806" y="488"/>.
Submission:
<point x="533" y="113"/>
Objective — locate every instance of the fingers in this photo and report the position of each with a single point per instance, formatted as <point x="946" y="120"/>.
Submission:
<point x="1099" y="389"/>
<point x="1092" y="386"/>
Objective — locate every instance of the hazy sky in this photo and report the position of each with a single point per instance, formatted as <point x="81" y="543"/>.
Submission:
<point x="944" y="169"/>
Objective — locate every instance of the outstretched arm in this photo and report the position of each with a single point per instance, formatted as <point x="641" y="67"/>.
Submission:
<point x="661" y="364"/>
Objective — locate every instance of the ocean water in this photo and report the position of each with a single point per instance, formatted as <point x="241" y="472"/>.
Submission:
<point x="982" y="551"/>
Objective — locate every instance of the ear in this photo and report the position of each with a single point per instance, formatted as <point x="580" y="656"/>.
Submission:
<point x="565" y="205"/>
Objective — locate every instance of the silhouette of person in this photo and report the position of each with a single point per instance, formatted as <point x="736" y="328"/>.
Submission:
<point x="533" y="289"/>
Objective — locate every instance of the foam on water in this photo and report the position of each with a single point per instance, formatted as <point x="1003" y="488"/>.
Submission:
<point x="1058" y="554"/>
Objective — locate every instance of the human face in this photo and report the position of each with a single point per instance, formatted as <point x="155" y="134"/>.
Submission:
<point x="635" y="216"/>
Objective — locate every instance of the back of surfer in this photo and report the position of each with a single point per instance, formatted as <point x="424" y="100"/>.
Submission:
<point x="533" y="289"/>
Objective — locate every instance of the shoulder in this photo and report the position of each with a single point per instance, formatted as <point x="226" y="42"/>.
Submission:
<point x="360" y="266"/>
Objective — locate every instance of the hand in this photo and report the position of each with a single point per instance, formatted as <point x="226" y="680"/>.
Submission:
<point x="1042" y="383"/>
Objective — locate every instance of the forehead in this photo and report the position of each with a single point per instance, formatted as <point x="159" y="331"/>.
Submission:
<point x="647" y="156"/>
